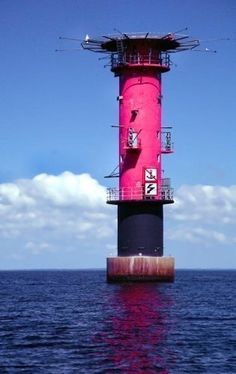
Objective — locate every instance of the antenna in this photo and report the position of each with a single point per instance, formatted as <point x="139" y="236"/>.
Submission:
<point x="68" y="50"/>
<point x="179" y="31"/>
<point x="175" y="33"/>
<point x="207" y="50"/>
<point x="121" y="33"/>
<point x="73" y="39"/>
<point x="215" y="40"/>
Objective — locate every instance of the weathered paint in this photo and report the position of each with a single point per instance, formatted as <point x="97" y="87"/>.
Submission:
<point x="140" y="268"/>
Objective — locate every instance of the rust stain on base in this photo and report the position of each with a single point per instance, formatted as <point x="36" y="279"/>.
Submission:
<point x="140" y="268"/>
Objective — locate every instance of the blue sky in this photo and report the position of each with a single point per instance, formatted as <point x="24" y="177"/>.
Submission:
<point x="55" y="117"/>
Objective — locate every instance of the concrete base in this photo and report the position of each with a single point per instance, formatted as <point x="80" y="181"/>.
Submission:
<point x="140" y="268"/>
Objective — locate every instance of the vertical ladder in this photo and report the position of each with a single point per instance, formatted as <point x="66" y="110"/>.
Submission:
<point x="120" y="51"/>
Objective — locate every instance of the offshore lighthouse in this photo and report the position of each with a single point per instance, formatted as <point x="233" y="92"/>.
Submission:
<point x="139" y="60"/>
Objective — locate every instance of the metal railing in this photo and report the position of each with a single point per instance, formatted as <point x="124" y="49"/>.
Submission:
<point x="167" y="148"/>
<point x="139" y="59"/>
<point x="167" y="145"/>
<point x="138" y="193"/>
<point x="135" y="144"/>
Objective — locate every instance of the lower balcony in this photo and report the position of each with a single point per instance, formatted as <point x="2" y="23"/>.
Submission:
<point x="163" y="195"/>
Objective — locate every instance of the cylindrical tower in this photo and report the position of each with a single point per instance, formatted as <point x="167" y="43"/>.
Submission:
<point x="139" y="60"/>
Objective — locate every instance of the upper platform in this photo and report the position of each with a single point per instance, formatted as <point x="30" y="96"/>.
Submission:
<point x="170" y="42"/>
<point x="139" y="50"/>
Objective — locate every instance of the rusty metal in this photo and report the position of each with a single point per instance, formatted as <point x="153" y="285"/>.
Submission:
<point x="140" y="268"/>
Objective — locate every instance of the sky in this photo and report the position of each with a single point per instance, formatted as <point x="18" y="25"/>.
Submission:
<point x="56" y="143"/>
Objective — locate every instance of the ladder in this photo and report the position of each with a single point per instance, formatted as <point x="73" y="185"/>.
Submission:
<point x="120" y="51"/>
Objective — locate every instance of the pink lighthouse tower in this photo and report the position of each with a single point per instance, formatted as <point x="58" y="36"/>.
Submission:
<point x="139" y="60"/>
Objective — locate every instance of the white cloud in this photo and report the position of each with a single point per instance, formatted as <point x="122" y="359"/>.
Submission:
<point x="68" y="189"/>
<point x="203" y="214"/>
<point x="208" y="203"/>
<point x="66" y="214"/>
<point x="51" y="212"/>
<point x="37" y="248"/>
<point x="199" y="235"/>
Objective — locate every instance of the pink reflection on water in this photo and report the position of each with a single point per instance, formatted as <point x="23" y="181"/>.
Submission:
<point x="136" y="332"/>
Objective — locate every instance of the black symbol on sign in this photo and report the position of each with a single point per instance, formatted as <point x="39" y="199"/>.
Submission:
<point x="150" y="174"/>
<point x="150" y="188"/>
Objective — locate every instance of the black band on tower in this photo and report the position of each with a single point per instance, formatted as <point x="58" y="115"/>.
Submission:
<point x="140" y="229"/>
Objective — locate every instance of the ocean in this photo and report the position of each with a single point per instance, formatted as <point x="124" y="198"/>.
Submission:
<point x="74" y="322"/>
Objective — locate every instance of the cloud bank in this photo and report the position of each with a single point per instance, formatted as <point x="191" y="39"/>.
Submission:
<point x="53" y="216"/>
<point x="204" y="214"/>
<point x="55" y="213"/>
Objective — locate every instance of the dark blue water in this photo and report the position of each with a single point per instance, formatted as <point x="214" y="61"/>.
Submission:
<point x="74" y="322"/>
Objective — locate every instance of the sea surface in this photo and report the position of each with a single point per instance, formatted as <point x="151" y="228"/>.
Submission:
<point x="74" y="322"/>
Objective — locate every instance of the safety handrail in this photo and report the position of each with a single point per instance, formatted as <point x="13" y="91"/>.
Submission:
<point x="139" y="59"/>
<point x="138" y="193"/>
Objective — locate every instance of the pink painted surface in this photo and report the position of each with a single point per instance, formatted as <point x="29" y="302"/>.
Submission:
<point x="140" y="109"/>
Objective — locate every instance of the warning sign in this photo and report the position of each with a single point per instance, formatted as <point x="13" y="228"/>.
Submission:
<point x="150" y="189"/>
<point x="150" y="175"/>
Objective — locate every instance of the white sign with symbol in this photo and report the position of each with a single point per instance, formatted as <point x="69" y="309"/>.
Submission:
<point x="150" y="189"/>
<point x="150" y="174"/>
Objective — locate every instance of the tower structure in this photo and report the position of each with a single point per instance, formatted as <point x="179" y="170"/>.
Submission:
<point x="139" y="60"/>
